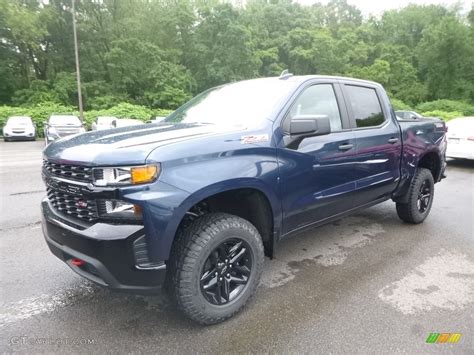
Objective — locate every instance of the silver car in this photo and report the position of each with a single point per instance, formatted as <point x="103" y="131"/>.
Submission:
<point x="59" y="126"/>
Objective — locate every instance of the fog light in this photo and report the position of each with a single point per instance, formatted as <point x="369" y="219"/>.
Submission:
<point x="119" y="209"/>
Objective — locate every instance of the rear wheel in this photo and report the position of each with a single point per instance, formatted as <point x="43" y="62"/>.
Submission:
<point x="215" y="267"/>
<point x="420" y="198"/>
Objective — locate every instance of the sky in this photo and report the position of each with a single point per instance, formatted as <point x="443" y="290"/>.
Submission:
<point x="377" y="7"/>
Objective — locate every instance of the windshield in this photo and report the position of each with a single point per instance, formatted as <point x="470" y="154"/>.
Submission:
<point x="238" y="104"/>
<point x="64" y="120"/>
<point x="19" y="120"/>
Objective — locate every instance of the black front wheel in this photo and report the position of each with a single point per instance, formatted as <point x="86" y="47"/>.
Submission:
<point x="420" y="198"/>
<point x="215" y="267"/>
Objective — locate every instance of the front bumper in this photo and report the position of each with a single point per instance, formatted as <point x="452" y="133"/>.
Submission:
<point x="460" y="149"/>
<point x="106" y="249"/>
<point x="18" y="136"/>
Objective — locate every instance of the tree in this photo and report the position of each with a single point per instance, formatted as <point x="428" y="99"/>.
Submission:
<point x="446" y="57"/>
<point x="161" y="52"/>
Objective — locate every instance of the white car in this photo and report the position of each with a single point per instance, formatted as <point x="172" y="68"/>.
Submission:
<point x="125" y="122"/>
<point x="103" y="122"/>
<point x="19" y="128"/>
<point x="460" y="138"/>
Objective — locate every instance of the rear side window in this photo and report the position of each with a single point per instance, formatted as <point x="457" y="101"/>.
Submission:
<point x="365" y="106"/>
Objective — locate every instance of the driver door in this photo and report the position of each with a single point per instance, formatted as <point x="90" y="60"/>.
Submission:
<point x="317" y="174"/>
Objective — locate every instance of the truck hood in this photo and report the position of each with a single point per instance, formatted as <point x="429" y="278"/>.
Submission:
<point x="123" y="146"/>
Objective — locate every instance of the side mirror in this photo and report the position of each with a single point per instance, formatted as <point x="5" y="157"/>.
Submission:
<point x="309" y="125"/>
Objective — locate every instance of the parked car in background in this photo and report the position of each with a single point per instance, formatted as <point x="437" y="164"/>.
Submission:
<point x="408" y="115"/>
<point x="103" y="122"/>
<point x="157" y="119"/>
<point x="240" y="167"/>
<point x="59" y="126"/>
<point x="461" y="138"/>
<point x="19" y="128"/>
<point x="125" y="122"/>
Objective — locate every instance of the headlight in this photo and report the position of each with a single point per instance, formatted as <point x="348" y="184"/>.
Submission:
<point x="133" y="175"/>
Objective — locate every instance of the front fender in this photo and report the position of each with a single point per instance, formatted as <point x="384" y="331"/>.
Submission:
<point x="165" y="206"/>
<point x="219" y="187"/>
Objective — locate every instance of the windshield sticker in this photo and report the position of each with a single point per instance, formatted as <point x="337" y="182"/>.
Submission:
<point x="260" y="138"/>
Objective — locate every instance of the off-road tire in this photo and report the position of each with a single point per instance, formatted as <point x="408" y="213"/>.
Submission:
<point x="191" y="250"/>
<point x="409" y="212"/>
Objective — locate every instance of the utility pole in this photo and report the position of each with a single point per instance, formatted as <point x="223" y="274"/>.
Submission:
<point x="78" y="70"/>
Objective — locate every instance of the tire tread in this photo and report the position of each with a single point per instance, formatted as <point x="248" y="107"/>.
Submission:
<point x="408" y="212"/>
<point x="186" y="253"/>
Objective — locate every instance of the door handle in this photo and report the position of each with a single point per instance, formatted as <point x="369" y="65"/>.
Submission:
<point x="393" y="140"/>
<point x="346" y="146"/>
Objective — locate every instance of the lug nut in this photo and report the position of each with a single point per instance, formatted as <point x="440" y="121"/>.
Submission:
<point x="226" y="260"/>
<point x="220" y="279"/>
<point x="228" y="275"/>
<point x="216" y="273"/>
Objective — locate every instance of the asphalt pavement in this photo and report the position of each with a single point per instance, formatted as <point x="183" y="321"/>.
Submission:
<point x="366" y="284"/>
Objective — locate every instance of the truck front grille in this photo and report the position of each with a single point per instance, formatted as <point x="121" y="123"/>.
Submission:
<point x="74" y="206"/>
<point x="71" y="172"/>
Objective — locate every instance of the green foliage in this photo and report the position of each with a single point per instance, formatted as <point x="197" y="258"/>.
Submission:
<point x="447" y="106"/>
<point x="446" y="116"/>
<point x="160" y="53"/>
<point x="446" y="59"/>
<point x="399" y="105"/>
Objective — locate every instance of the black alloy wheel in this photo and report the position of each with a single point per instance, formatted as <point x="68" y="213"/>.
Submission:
<point x="215" y="267"/>
<point x="424" y="196"/>
<point x="226" y="272"/>
<point x="419" y="198"/>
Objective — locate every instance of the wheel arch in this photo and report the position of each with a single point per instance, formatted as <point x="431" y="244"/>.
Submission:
<point x="431" y="160"/>
<point x="250" y="199"/>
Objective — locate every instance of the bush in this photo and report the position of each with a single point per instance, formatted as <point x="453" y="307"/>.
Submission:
<point x="446" y="116"/>
<point x="399" y="105"/>
<point x="447" y="106"/>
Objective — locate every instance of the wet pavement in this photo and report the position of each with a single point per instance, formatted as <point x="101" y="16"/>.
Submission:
<point x="364" y="284"/>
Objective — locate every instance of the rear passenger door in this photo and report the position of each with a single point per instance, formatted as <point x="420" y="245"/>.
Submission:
<point x="378" y="143"/>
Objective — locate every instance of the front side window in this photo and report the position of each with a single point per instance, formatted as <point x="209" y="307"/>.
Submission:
<point x="365" y="106"/>
<point x="318" y="100"/>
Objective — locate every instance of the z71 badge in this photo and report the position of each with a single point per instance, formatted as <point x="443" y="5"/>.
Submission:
<point x="259" y="138"/>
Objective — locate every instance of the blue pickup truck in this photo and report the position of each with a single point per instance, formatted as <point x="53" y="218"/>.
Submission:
<point x="195" y="202"/>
